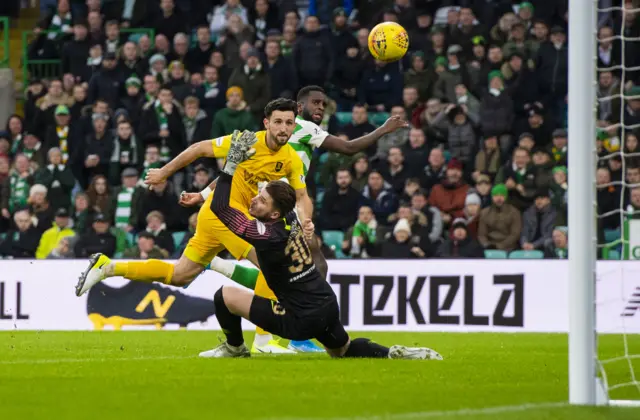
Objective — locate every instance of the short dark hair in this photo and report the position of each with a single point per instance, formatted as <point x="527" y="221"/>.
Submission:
<point x="281" y="104"/>
<point x="305" y="91"/>
<point x="283" y="195"/>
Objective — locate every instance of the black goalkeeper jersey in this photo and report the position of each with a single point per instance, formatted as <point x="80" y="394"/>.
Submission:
<point x="283" y="254"/>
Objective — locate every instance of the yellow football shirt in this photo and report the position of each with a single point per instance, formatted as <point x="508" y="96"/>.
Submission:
<point x="266" y="165"/>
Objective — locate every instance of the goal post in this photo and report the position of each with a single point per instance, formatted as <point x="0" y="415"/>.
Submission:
<point x="581" y="202"/>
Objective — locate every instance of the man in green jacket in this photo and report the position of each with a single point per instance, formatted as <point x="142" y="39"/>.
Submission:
<point x="234" y="117"/>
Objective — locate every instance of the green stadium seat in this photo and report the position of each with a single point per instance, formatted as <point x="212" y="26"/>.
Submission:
<point x="323" y="158"/>
<point x="611" y="235"/>
<point x="117" y="255"/>
<point x="343" y="118"/>
<point x="333" y="239"/>
<point x="131" y="239"/>
<point x="614" y="254"/>
<point x="526" y="255"/>
<point x="319" y="199"/>
<point x="121" y="239"/>
<point x="495" y="254"/>
<point x="378" y="118"/>
<point x="177" y="238"/>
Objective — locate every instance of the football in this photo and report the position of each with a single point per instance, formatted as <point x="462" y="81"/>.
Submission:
<point x="388" y="42"/>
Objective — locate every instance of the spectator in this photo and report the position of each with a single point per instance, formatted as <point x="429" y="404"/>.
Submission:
<point x="396" y="138"/>
<point x="519" y="178"/>
<point x="112" y="41"/>
<point x="15" y="189"/>
<point x="500" y="224"/>
<point x="416" y="152"/>
<point x="146" y="248"/>
<point x="201" y="180"/>
<point x="178" y="82"/>
<point x="235" y="116"/>
<point x="163" y="199"/>
<point x="127" y="201"/>
<point x="75" y="52"/>
<point x="196" y="122"/>
<point x="236" y="35"/>
<point x="52" y="236"/>
<point x="40" y="207"/>
<point x="61" y="136"/>
<point x="460" y="244"/>
<point x="435" y="170"/>
<point x="483" y="189"/>
<point x="360" y="171"/>
<point x="162" y="47"/>
<point x="107" y="83"/>
<point x="399" y="244"/>
<point x="608" y="199"/>
<point x="255" y="84"/>
<point x="538" y="222"/>
<point x="559" y="187"/>
<point x="542" y="169"/>
<point x="340" y="204"/>
<point x="347" y="76"/>
<point x="496" y="113"/>
<point x="381" y="86"/>
<point x="420" y="203"/>
<point x="633" y="209"/>
<point x="22" y="241"/>
<point x="552" y="69"/>
<point x="221" y="15"/>
<point x="420" y="226"/>
<point x="558" y="247"/>
<point x="395" y="172"/>
<point x="449" y="195"/>
<point x="281" y="72"/>
<point x="471" y="217"/>
<point x="64" y="249"/>
<point x="198" y="56"/>
<point x="419" y="77"/>
<point x="360" y="126"/>
<point x="58" y="179"/>
<point x="131" y="64"/>
<point x="361" y="240"/>
<point x="31" y="147"/>
<point x="158" y="68"/>
<point x="100" y="199"/>
<point x="213" y="91"/>
<point x="380" y="197"/>
<point x="313" y="55"/>
<point x="536" y="125"/>
<point x="180" y="48"/>
<point x="98" y="147"/>
<point x="264" y="17"/>
<point x="170" y="21"/>
<point x="96" y="240"/>
<point x="80" y="213"/>
<point x="459" y="124"/>
<point x="127" y="151"/>
<point x="133" y="100"/>
<point x="161" y="122"/>
<point x="488" y="160"/>
<point x="157" y="227"/>
<point x="96" y="34"/>
<point x="558" y="147"/>
<point x="453" y="75"/>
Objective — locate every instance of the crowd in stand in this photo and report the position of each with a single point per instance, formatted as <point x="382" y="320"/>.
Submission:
<point x="482" y="166"/>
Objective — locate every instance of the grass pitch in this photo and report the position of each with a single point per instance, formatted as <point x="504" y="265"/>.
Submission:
<point x="156" y="375"/>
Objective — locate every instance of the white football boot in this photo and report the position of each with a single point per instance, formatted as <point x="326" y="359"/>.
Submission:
<point x="225" y="350"/>
<point x="94" y="274"/>
<point x="423" y="353"/>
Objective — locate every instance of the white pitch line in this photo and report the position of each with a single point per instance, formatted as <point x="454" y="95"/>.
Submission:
<point x="102" y="359"/>
<point x="449" y="413"/>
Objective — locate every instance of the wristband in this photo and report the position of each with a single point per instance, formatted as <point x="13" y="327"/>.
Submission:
<point x="206" y="192"/>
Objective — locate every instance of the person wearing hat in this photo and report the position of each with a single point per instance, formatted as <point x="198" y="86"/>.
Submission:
<point x="525" y="14"/>
<point x="58" y="178"/>
<point x="235" y="116"/>
<point x="255" y="84"/>
<point x="106" y="83"/>
<point x="501" y="223"/>
<point x="134" y="99"/>
<point x="449" y="196"/>
<point x="145" y="248"/>
<point x="127" y="200"/>
<point x="472" y="208"/>
<point x="60" y="134"/>
<point x="51" y="237"/>
<point x="538" y="222"/>
<point x="398" y="245"/>
<point x="558" y="147"/>
<point x="97" y="240"/>
<point x="460" y="243"/>
<point x="158" y="68"/>
<point x="558" y="247"/>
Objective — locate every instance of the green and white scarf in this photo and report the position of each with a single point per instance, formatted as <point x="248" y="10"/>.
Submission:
<point x="16" y="142"/>
<point x="211" y="90"/>
<point x="163" y="123"/>
<point x="123" y="207"/>
<point x="59" y="24"/>
<point x="63" y="134"/>
<point x="29" y="153"/>
<point x="19" y="191"/>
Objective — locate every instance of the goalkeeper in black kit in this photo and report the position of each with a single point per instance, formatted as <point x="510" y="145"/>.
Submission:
<point x="307" y="307"/>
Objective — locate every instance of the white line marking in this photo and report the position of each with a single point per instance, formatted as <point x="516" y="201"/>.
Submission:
<point x="450" y="413"/>
<point x="101" y="359"/>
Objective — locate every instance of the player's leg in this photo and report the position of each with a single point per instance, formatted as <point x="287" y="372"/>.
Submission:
<point x="244" y="276"/>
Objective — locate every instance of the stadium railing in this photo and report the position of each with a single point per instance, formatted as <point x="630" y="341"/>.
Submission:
<point x="37" y="68"/>
<point x="4" y="42"/>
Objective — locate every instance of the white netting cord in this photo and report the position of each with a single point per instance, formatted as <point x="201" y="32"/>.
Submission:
<point x="624" y="9"/>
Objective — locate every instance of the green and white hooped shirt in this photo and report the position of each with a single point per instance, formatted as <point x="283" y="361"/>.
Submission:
<point x="306" y="137"/>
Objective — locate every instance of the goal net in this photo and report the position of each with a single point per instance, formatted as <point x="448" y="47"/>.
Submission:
<point x="617" y="199"/>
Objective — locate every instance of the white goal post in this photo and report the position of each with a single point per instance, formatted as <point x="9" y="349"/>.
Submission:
<point x="585" y="386"/>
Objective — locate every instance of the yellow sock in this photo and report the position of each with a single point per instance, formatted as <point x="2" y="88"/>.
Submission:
<point x="145" y="271"/>
<point x="263" y="290"/>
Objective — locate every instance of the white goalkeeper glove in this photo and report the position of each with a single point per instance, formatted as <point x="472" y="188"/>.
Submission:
<point x="240" y="150"/>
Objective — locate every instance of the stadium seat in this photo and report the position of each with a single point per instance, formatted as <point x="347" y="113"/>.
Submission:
<point x="177" y="238"/>
<point x="333" y="239"/>
<point x="117" y="255"/>
<point x="319" y="198"/>
<point x="378" y="118"/>
<point x="495" y="254"/>
<point x="526" y="255"/>
<point x="611" y="235"/>
<point x="343" y="118"/>
<point x="131" y="239"/>
<point x="614" y="254"/>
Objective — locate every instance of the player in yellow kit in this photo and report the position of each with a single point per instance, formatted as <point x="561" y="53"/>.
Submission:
<point x="273" y="159"/>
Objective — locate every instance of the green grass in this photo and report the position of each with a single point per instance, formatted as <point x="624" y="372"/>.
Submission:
<point x="155" y="375"/>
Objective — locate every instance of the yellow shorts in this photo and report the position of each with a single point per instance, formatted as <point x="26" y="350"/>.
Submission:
<point x="212" y="237"/>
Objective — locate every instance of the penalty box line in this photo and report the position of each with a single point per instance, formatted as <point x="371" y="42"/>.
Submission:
<point x="444" y="413"/>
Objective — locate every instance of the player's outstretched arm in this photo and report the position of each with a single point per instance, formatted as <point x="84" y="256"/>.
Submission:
<point x="195" y="151"/>
<point x="193" y="199"/>
<point x="351" y="147"/>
